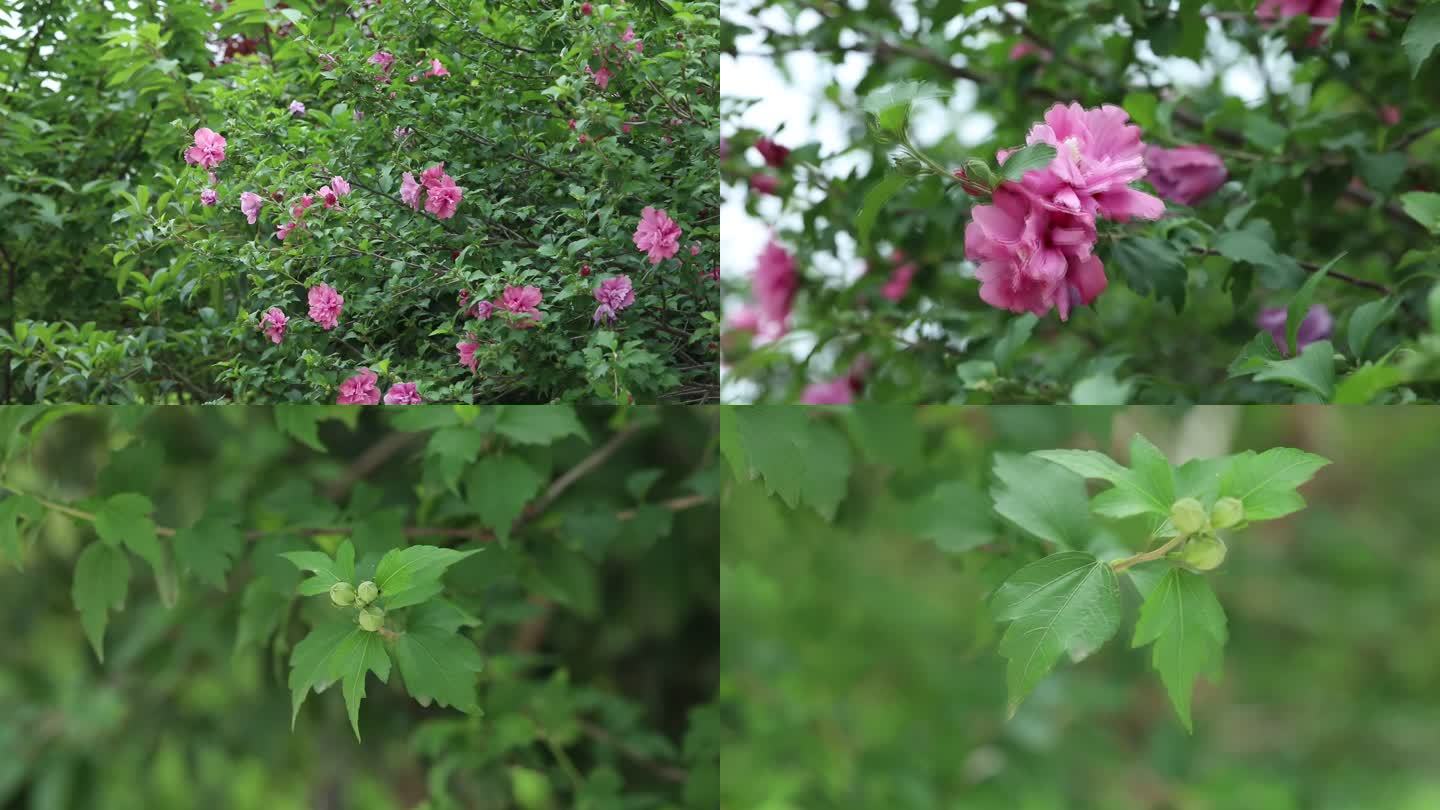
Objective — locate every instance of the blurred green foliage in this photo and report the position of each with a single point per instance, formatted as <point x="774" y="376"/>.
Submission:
<point x="859" y="664"/>
<point x="598" y="612"/>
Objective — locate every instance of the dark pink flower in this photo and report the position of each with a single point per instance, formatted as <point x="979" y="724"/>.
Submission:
<point x="1316" y="326"/>
<point x="209" y="197"/>
<point x="602" y="77"/>
<point x="328" y="197"/>
<point x="1097" y="155"/>
<point x="614" y="294"/>
<point x="1024" y="48"/>
<point x="482" y="310"/>
<point x="899" y="282"/>
<point x="629" y="35"/>
<point x="1390" y="115"/>
<point x="1186" y="174"/>
<point x="250" y="203"/>
<point x="1319" y="9"/>
<point x="467" y="349"/>
<point x="273" y="322"/>
<point x="1032" y="258"/>
<point x="298" y="209"/>
<point x="762" y="183"/>
<point x="435" y="177"/>
<point x="209" y="149"/>
<point x="522" y="301"/>
<point x="403" y="394"/>
<point x="585" y="9"/>
<point x="658" y="235"/>
<point x="360" y="389"/>
<point x="410" y="190"/>
<point x="773" y="153"/>
<point x="436" y="69"/>
<point x="383" y="59"/>
<point x="774" y="287"/>
<point x="694" y="248"/>
<point x="325" y="306"/>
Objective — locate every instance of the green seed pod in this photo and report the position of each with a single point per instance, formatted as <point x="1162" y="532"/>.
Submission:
<point x="1203" y="552"/>
<point x="1187" y="514"/>
<point x="367" y="593"/>
<point x="1227" y="512"/>
<point x="371" y="619"/>
<point x="342" y="594"/>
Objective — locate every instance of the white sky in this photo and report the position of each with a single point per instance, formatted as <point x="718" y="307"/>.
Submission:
<point x="795" y="106"/>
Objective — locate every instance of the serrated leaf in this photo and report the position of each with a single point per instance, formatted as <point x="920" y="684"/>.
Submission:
<point x="538" y="424"/>
<point x="408" y="576"/>
<point x="802" y="460"/>
<point x="1186" y="624"/>
<point x="497" y="489"/>
<point x="1026" y="159"/>
<point x="314" y="661"/>
<point x="1266" y="483"/>
<point x="439" y="666"/>
<point x="102" y="578"/>
<point x="1043" y="499"/>
<point x="1146" y="487"/>
<point x="360" y="653"/>
<point x="125" y="520"/>
<point x="208" y="548"/>
<point x="891" y="104"/>
<point x="1313" y="370"/>
<point x="301" y="422"/>
<point x="1067" y="603"/>
<point x="326" y="571"/>
<point x="1421" y="36"/>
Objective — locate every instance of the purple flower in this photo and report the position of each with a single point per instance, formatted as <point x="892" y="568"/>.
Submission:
<point x="1315" y="327"/>
<point x="297" y="109"/>
<point x="614" y="294"/>
<point x="1185" y="175"/>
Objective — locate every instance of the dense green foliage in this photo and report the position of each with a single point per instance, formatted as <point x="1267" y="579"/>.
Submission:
<point x="865" y="644"/>
<point x="1326" y="127"/>
<point x="129" y="288"/>
<point x="452" y="606"/>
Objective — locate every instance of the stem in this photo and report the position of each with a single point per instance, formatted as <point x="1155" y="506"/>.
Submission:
<point x="1153" y="554"/>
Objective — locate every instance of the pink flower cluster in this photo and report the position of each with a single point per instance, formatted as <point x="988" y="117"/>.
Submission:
<point x="363" y="389"/>
<point x="1034" y="243"/>
<point x="772" y="290"/>
<point x="657" y="234"/>
<point x="329" y="196"/>
<point x="523" y="302"/>
<point x="442" y="196"/>
<point x="614" y="54"/>
<point x="614" y="294"/>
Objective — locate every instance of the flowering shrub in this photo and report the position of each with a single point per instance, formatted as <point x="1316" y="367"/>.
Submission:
<point x="396" y="155"/>
<point x="1163" y="219"/>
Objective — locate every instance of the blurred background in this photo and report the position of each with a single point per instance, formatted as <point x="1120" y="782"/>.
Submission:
<point x="859" y="663"/>
<point x="598" y="634"/>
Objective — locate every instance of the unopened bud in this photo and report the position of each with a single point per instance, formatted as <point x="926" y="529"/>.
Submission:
<point x="342" y="594"/>
<point x="1228" y="512"/>
<point x="1203" y="552"/>
<point x="976" y="178"/>
<point x="366" y="593"/>
<point x="371" y="619"/>
<point x="1187" y="514"/>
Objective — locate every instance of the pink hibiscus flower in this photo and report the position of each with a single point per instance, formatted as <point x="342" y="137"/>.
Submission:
<point x="359" y="389"/>
<point x="1318" y="9"/>
<point x="658" y="235"/>
<point x="442" y="201"/>
<point x="467" y="349"/>
<point x="614" y="294"/>
<point x="209" y="197"/>
<point x="282" y="231"/>
<point x="298" y="210"/>
<point x="1097" y="155"/>
<point x="602" y="77"/>
<point x="482" y="310"/>
<point x="774" y="287"/>
<point x="436" y="69"/>
<point x="435" y="177"/>
<point x="329" y="197"/>
<point x="403" y="394"/>
<point x="209" y="149"/>
<point x="339" y="185"/>
<point x="384" y="59"/>
<point x="1186" y="174"/>
<point x="762" y="183"/>
<point x="838" y="391"/>
<point x="250" y="203"/>
<point x="410" y="190"/>
<point x="273" y="322"/>
<point x="774" y="154"/>
<point x="1031" y="257"/>
<point x="522" y="301"/>
<point x="325" y="306"/>
<point x="899" y="282"/>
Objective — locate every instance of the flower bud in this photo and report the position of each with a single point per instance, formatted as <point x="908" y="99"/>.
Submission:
<point x="1187" y="515"/>
<point x="366" y="593"/>
<point x="1203" y="552"/>
<point x="1228" y="512"/>
<point x="342" y="594"/>
<point x="371" y="619"/>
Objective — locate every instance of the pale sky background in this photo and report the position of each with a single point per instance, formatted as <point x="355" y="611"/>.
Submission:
<point x="798" y="105"/>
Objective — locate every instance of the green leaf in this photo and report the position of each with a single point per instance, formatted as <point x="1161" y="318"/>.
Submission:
<point x="12" y="509"/>
<point x="1245" y="246"/>
<point x="1067" y="603"/>
<point x="1152" y="267"/>
<point x="1300" y="305"/>
<point x="439" y="666"/>
<point x="1016" y="333"/>
<point x="1101" y="389"/>
<point x="891" y="104"/>
<point x="1186" y="624"/>
<point x="102" y="577"/>
<point x="125" y="520"/>
<point x="1026" y="159"/>
<point x="1313" y="370"/>
<point x="407" y="576"/>
<point x="1361" y="385"/>
<point x="1255" y="356"/>
<point x="301" y="422"/>
<point x="1266" y="483"/>
<point x="1423" y="207"/>
<point x="875" y="200"/>
<point x="1147" y="487"/>
<point x="1365" y="320"/>
<point x="538" y="424"/>
<point x="315" y="661"/>
<point x="1043" y="499"/>
<point x="498" y="487"/>
<point x="954" y="516"/>
<point x="208" y="548"/>
<point x="1421" y="37"/>
<point x="802" y="459"/>
<point x="360" y="653"/>
<point x="327" y="571"/>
